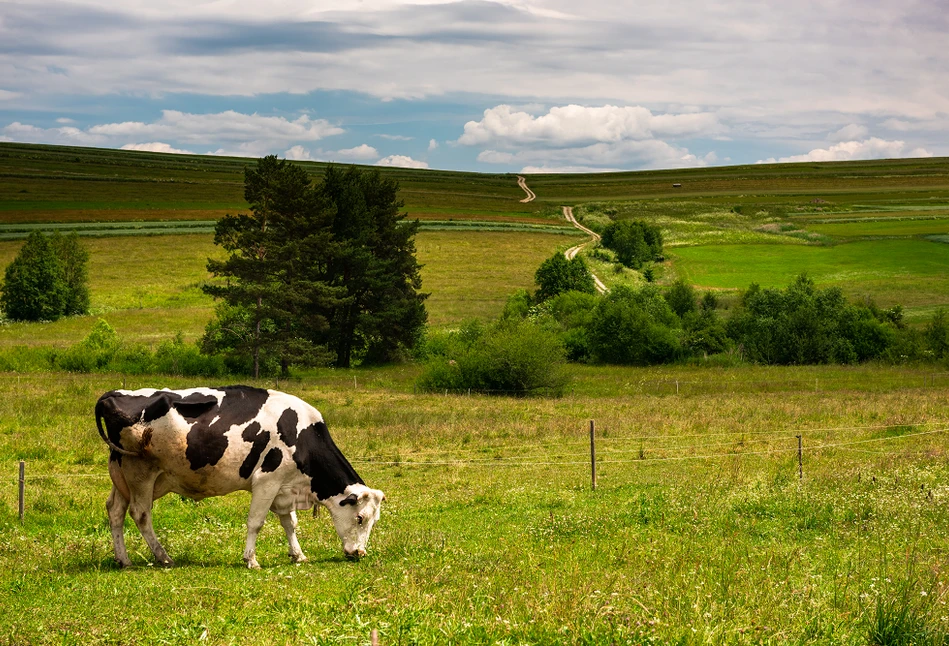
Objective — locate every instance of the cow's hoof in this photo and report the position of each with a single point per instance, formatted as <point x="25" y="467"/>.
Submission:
<point x="253" y="565"/>
<point x="124" y="564"/>
<point x="300" y="558"/>
<point x="166" y="564"/>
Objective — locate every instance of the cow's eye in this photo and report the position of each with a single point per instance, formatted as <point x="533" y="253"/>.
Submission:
<point x="359" y="518"/>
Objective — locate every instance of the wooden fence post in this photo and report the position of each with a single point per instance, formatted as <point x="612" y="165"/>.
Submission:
<point x="593" y="454"/>
<point x="22" y="487"/>
<point x="800" y="457"/>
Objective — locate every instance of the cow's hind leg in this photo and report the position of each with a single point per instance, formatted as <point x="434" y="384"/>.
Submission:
<point x="289" y="522"/>
<point x="142" y="492"/>
<point x="117" y="504"/>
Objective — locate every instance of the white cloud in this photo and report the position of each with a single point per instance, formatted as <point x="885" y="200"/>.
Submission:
<point x="235" y="133"/>
<point x="432" y="145"/>
<point x="6" y="95"/>
<point x="401" y="161"/>
<point x="575" y="124"/>
<point x="873" y="148"/>
<point x="362" y="152"/>
<point x="297" y="153"/>
<point x="157" y="147"/>
<point x="396" y="137"/>
<point x="65" y="120"/>
<point x="850" y="132"/>
<point x="535" y="170"/>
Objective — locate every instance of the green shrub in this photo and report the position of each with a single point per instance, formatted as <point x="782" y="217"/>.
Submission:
<point x="93" y="353"/>
<point x="557" y="275"/>
<point x="634" y="328"/>
<point x="681" y="297"/>
<point x="34" y="285"/>
<point x="514" y="358"/>
<point x="634" y="241"/>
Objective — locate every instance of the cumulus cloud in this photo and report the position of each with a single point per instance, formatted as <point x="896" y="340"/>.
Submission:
<point x="537" y="170"/>
<point x="362" y="152"/>
<point x="157" y="147"/>
<point x="297" y="153"/>
<point x="872" y="148"/>
<point x="432" y="145"/>
<point x="572" y="125"/>
<point x="402" y="161"/>
<point x="235" y="133"/>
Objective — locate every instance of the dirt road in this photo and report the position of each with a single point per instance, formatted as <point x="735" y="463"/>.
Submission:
<point x="523" y="184"/>
<point x="573" y="251"/>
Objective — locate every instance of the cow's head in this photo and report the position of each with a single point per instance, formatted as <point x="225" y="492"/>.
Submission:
<point x="354" y="513"/>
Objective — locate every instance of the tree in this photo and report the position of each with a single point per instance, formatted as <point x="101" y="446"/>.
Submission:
<point x="373" y="259"/>
<point x="275" y="297"/>
<point x="316" y="274"/>
<point x="34" y="285"/>
<point x="681" y="298"/>
<point x="634" y="241"/>
<point x="557" y="275"/>
<point x="73" y="258"/>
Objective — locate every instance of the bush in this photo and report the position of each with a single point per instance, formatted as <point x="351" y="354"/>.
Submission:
<point x="805" y="325"/>
<point x="519" y="358"/>
<point x="634" y="328"/>
<point x="93" y="353"/>
<point x="681" y="298"/>
<point x="557" y="275"/>
<point x="634" y="241"/>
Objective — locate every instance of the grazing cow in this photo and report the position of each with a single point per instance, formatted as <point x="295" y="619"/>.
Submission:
<point x="206" y="442"/>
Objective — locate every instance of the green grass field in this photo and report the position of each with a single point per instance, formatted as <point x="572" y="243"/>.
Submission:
<point x="699" y="530"/>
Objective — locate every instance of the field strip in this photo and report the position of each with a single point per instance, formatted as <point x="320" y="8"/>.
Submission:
<point x="573" y="251"/>
<point x="523" y="184"/>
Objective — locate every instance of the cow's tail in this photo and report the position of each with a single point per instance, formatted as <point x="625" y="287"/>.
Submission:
<point x="105" y="437"/>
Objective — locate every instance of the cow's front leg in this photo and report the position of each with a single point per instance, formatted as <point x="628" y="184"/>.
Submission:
<point x="261" y="499"/>
<point x="289" y="522"/>
<point x="117" y="505"/>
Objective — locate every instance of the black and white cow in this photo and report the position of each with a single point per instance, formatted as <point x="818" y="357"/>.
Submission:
<point x="206" y="442"/>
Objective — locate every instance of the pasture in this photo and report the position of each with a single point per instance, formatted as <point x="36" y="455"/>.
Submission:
<point x="699" y="530"/>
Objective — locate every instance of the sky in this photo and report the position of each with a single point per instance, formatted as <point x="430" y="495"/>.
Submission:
<point x="478" y="85"/>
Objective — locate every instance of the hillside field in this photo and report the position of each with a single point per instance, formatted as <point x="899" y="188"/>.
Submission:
<point x="701" y="529"/>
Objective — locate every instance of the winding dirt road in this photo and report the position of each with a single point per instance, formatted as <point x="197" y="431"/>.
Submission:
<point x="523" y="184"/>
<point x="572" y="251"/>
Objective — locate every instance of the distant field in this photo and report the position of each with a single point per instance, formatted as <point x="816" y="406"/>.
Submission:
<point x="908" y="272"/>
<point x="149" y="288"/>
<point x="868" y="227"/>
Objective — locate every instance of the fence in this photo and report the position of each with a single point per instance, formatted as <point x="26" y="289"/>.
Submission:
<point x="662" y="448"/>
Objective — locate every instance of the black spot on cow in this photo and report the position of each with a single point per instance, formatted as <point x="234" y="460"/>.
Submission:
<point x="287" y="427"/>
<point x="195" y="405"/>
<point x="259" y="440"/>
<point x="272" y="461"/>
<point x="206" y="440"/>
<point x="318" y="457"/>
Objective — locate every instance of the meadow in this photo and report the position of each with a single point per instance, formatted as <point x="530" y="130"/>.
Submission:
<point x="700" y="529"/>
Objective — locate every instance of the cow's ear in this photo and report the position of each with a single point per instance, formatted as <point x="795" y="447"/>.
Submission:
<point x="348" y="500"/>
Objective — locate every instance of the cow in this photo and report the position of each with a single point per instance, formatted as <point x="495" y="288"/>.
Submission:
<point x="204" y="442"/>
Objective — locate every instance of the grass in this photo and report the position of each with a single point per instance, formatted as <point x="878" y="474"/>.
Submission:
<point x="149" y="288"/>
<point x="907" y="272"/>
<point x="699" y="530"/>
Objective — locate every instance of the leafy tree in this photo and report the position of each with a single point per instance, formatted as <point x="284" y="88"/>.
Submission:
<point x="634" y="327"/>
<point x="634" y="241"/>
<point x="34" y="285"/>
<point x="937" y="334"/>
<point x="557" y="275"/>
<point x="315" y="273"/>
<point x="73" y="257"/>
<point x="681" y="298"/>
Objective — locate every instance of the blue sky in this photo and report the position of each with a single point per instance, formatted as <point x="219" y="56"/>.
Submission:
<point x="489" y="86"/>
